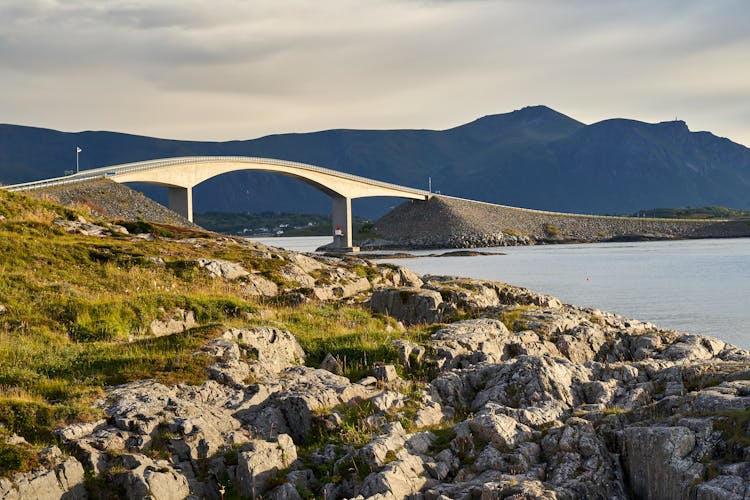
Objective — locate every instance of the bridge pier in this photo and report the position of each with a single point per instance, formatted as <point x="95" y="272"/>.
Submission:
<point x="181" y="201"/>
<point x="342" y="218"/>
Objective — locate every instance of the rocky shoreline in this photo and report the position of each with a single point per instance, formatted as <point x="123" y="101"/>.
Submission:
<point x="511" y="394"/>
<point x="444" y="222"/>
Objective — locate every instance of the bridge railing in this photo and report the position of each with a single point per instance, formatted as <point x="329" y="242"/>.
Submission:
<point x="125" y="168"/>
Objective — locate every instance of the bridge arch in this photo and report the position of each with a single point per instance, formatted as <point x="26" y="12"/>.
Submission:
<point x="180" y="175"/>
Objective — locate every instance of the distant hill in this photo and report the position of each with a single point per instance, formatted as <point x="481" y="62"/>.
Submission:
<point x="534" y="157"/>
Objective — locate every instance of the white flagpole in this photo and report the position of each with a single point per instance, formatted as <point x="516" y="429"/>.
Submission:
<point x="78" y="150"/>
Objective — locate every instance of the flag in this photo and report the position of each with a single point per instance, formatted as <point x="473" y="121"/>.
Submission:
<point x="78" y="150"/>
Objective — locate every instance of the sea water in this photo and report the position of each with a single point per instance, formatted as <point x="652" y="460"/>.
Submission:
<point x="696" y="286"/>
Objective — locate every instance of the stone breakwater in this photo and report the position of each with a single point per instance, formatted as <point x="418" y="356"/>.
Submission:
<point x="444" y="222"/>
<point x="513" y="395"/>
<point x="108" y="199"/>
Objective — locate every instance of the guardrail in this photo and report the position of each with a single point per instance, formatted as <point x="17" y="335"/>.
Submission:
<point x="103" y="172"/>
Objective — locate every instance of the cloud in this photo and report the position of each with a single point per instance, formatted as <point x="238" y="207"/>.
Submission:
<point x="247" y="68"/>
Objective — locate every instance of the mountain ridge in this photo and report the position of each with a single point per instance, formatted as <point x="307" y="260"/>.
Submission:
<point x="534" y="157"/>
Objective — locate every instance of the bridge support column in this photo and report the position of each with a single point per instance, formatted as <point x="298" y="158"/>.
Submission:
<point x="181" y="201"/>
<point x="342" y="219"/>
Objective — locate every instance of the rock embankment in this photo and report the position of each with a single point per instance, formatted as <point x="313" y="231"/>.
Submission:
<point x="108" y="199"/>
<point x="513" y="395"/>
<point x="444" y="222"/>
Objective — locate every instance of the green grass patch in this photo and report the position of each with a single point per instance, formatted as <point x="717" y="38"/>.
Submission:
<point x="16" y="457"/>
<point x="353" y="334"/>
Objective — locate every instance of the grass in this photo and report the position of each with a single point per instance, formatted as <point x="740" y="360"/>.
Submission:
<point x="513" y="318"/>
<point x="17" y="457"/>
<point x="78" y="309"/>
<point x="353" y="334"/>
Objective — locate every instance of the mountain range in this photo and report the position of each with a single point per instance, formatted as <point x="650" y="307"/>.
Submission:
<point x="534" y="157"/>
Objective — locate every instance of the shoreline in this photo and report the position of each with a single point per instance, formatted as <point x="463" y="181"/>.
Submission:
<point x="455" y="223"/>
<point x="506" y="392"/>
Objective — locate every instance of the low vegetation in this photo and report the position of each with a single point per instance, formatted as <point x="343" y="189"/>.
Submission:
<point x="76" y="312"/>
<point x="709" y="212"/>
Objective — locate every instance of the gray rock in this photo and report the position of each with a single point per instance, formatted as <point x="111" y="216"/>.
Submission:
<point x="176" y="321"/>
<point x="83" y="227"/>
<point x="293" y="273"/>
<point x="259" y="461"/>
<point x="658" y="462"/>
<point x="399" y="479"/>
<point x="578" y="462"/>
<point x="302" y="393"/>
<point x="286" y="491"/>
<point x="581" y="343"/>
<point x="410" y="305"/>
<point x="274" y="349"/>
<point x="692" y="347"/>
<point x="222" y="269"/>
<point x="723" y="487"/>
<point x="410" y="354"/>
<point x="407" y="278"/>
<point x="331" y="364"/>
<point x="3" y="309"/>
<point x="469" y="342"/>
<point x="386" y="374"/>
<point x="257" y="285"/>
<point x="465" y="293"/>
<point x="306" y="263"/>
<point x="62" y="478"/>
<point x="376" y="453"/>
<point x="344" y="284"/>
<point x="141" y="409"/>
<point x="499" y="429"/>
<point x="389" y="400"/>
<point x="146" y="478"/>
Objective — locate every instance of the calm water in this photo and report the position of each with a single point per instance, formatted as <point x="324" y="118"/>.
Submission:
<point x="699" y="286"/>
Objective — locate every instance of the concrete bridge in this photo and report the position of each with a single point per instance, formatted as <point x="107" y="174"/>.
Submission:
<point x="180" y="175"/>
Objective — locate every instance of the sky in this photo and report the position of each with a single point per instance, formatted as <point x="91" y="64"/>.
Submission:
<point x="241" y="69"/>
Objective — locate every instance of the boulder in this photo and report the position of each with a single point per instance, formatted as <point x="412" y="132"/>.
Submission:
<point x="257" y="285"/>
<point x="258" y="462"/>
<point x="222" y="269"/>
<point x="146" y="478"/>
<point x="61" y="478"/>
<point x="142" y="410"/>
<point x="331" y="364"/>
<point x="658" y="461"/>
<point x="410" y="354"/>
<point x="83" y="227"/>
<point x="305" y="262"/>
<point x="386" y="374"/>
<point x="406" y="278"/>
<point x="274" y="349"/>
<point x="691" y="348"/>
<point x="466" y="293"/>
<point x="376" y="453"/>
<point x="294" y="274"/>
<point x="303" y="391"/>
<point x="176" y="321"/>
<point x="495" y="427"/>
<point x="469" y="342"/>
<point x="399" y="479"/>
<point x="578" y="463"/>
<point x="410" y="305"/>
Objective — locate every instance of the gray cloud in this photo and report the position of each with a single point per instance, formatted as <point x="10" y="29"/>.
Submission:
<point x="239" y="69"/>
